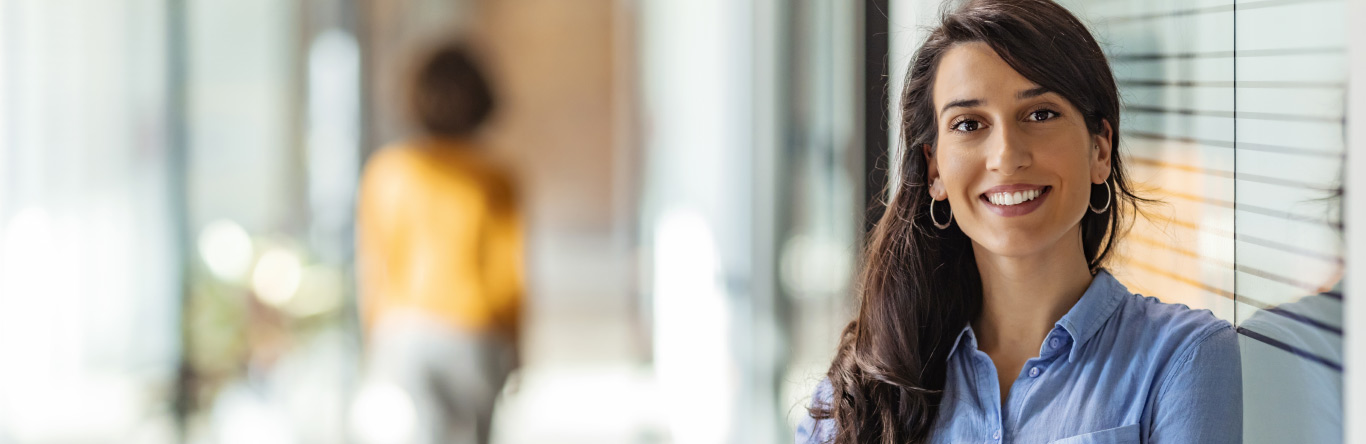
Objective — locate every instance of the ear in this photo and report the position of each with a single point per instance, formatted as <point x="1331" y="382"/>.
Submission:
<point x="1101" y="152"/>
<point x="937" y="191"/>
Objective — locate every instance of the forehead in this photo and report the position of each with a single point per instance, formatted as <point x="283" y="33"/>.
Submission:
<point x="972" y="70"/>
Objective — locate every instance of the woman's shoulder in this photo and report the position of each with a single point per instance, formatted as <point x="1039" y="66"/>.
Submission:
<point x="393" y="159"/>
<point x="1175" y="317"/>
<point x="440" y="161"/>
<point x="1175" y="327"/>
<point x="811" y="430"/>
<point x="1170" y="342"/>
<point x="430" y="152"/>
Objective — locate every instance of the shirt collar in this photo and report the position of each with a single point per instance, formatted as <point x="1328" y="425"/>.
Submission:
<point x="1081" y="322"/>
<point x="971" y="340"/>
<point x="1092" y="310"/>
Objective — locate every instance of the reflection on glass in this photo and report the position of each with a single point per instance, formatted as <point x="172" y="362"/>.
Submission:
<point x="1237" y="116"/>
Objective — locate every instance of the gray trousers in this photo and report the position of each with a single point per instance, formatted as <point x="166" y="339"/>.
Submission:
<point x="452" y="376"/>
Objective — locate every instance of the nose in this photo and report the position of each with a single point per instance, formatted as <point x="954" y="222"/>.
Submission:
<point x="1008" y="152"/>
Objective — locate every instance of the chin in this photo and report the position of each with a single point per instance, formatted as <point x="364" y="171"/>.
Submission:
<point x="1020" y="242"/>
<point x="1012" y="249"/>
<point x="1014" y="244"/>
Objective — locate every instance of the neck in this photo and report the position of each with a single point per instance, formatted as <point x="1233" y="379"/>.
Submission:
<point x="1023" y="297"/>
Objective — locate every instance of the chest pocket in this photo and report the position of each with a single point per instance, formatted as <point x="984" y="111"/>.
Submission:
<point x="1128" y="434"/>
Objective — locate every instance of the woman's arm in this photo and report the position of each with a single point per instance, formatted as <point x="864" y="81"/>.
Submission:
<point x="1201" y="399"/>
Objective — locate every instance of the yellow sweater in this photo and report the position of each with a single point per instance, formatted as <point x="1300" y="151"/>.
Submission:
<point x="438" y="231"/>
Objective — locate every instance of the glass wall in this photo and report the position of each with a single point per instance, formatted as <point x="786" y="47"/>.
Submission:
<point x="175" y="187"/>
<point x="270" y="126"/>
<point x="819" y="172"/>
<point x="1291" y="88"/>
<point x="1234" y="116"/>
<point x="752" y="208"/>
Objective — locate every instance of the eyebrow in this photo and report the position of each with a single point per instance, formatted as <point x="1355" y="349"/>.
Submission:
<point x="1032" y="93"/>
<point x="969" y="103"/>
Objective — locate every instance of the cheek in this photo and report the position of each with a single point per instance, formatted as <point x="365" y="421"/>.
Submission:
<point x="957" y="172"/>
<point x="1074" y="174"/>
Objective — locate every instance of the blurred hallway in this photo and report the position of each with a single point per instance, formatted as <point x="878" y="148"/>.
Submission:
<point x="566" y="119"/>
<point x="178" y="188"/>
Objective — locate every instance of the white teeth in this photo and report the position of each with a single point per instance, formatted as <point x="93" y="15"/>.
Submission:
<point x="1015" y="198"/>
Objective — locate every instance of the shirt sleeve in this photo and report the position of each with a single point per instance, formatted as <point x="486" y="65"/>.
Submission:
<point x="811" y="431"/>
<point x="1202" y="397"/>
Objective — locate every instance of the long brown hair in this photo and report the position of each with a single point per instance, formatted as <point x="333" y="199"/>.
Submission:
<point x="920" y="285"/>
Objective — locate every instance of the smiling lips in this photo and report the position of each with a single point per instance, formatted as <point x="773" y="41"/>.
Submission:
<point x="1015" y="200"/>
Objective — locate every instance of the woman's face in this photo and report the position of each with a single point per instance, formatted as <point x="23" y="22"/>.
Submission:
<point x="1014" y="160"/>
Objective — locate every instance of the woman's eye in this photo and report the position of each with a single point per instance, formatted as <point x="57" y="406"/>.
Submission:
<point x="1042" y="115"/>
<point x="967" y="125"/>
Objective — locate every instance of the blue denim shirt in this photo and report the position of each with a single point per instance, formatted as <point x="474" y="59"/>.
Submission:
<point x="1117" y="368"/>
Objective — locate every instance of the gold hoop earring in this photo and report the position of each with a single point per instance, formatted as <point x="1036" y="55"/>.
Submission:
<point x="936" y="221"/>
<point x="1108" y="193"/>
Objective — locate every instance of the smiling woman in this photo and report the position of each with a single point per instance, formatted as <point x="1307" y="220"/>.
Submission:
<point x="984" y="312"/>
<point x="1006" y="136"/>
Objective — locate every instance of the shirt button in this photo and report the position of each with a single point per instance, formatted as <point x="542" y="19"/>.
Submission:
<point x="1054" y="343"/>
<point x="996" y="435"/>
<point x="1034" y="372"/>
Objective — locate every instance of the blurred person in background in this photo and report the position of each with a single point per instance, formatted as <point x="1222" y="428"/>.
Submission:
<point x="439" y="257"/>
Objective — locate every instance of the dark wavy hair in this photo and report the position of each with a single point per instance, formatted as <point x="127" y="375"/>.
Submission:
<point x="919" y="285"/>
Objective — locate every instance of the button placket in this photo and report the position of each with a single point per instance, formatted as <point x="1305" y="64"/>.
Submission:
<point x="987" y="375"/>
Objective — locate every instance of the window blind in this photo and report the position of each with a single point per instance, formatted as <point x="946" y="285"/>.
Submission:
<point x="1233" y="118"/>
